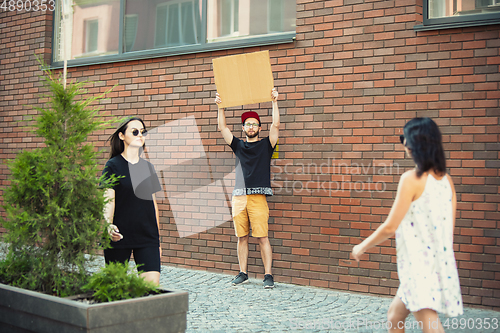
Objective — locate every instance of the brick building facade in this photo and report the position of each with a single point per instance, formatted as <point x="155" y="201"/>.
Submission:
<point x="355" y="74"/>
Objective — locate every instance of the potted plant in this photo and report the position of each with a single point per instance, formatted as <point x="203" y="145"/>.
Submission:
<point x="54" y="221"/>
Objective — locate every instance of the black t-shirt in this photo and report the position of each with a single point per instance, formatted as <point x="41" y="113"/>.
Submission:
<point x="134" y="208"/>
<point x="253" y="166"/>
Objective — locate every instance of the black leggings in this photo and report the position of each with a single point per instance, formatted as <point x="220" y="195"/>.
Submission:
<point x="148" y="257"/>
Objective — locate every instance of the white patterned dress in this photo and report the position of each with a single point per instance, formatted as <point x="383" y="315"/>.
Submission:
<point x="424" y="243"/>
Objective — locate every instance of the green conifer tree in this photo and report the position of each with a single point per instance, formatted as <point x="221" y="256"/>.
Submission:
<point x="54" y="205"/>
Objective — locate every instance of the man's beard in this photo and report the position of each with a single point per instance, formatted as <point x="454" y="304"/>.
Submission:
<point x="256" y="133"/>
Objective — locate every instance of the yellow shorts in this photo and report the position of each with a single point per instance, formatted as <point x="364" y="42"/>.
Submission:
<point x="250" y="210"/>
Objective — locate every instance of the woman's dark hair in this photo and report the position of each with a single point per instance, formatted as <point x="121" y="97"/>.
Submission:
<point x="423" y="138"/>
<point x="117" y="145"/>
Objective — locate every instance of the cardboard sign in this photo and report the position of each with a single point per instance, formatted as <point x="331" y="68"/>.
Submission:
<point x="243" y="79"/>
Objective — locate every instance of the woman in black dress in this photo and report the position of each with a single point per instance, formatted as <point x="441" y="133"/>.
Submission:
<point x="132" y="211"/>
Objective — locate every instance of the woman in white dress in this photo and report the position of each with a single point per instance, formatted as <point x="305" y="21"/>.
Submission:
<point x="423" y="219"/>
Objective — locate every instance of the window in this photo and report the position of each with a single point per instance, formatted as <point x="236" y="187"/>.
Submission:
<point x="275" y="19"/>
<point x="91" y="35"/>
<point x="229" y="15"/>
<point x="115" y="30"/>
<point x="95" y="29"/>
<point x="130" y="32"/>
<point x="176" y="24"/>
<point x="239" y="19"/>
<point x="440" y="14"/>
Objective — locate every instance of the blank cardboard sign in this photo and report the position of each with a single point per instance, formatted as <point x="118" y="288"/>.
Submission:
<point x="243" y="79"/>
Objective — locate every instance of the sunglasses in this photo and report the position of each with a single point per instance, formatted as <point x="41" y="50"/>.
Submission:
<point x="402" y="139"/>
<point x="143" y="131"/>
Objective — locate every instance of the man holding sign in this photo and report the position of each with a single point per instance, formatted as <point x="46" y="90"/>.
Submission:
<point x="253" y="184"/>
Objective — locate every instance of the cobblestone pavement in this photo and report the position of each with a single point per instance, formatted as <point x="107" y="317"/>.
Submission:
<point x="217" y="306"/>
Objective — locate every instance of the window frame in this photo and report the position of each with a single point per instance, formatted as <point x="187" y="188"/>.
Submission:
<point x="203" y="46"/>
<point x="455" y="21"/>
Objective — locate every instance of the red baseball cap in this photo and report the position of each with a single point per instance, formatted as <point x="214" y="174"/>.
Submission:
<point x="249" y="114"/>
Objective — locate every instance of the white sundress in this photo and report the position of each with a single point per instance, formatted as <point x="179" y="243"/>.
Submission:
<point x="424" y="244"/>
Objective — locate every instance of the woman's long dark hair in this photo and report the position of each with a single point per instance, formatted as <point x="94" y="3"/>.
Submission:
<point x="423" y="138"/>
<point x="117" y="145"/>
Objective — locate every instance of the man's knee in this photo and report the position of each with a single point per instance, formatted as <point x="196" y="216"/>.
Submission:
<point x="263" y="240"/>
<point x="243" y="239"/>
<point x="265" y="244"/>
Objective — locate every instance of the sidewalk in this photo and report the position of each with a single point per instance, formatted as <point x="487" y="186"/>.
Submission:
<point x="217" y="306"/>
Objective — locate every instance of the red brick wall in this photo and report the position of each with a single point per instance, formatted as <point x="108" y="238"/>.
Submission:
<point x="23" y="37"/>
<point x="355" y="75"/>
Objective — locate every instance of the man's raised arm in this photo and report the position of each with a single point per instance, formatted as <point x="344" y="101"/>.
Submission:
<point x="274" y="130"/>
<point x="221" y="122"/>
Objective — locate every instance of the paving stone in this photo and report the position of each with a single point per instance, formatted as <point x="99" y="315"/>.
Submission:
<point x="217" y="306"/>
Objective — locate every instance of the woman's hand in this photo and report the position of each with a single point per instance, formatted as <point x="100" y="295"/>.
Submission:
<point x="357" y="251"/>
<point x="114" y="233"/>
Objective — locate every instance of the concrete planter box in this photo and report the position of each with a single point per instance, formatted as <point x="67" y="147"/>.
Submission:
<point x="28" y="311"/>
